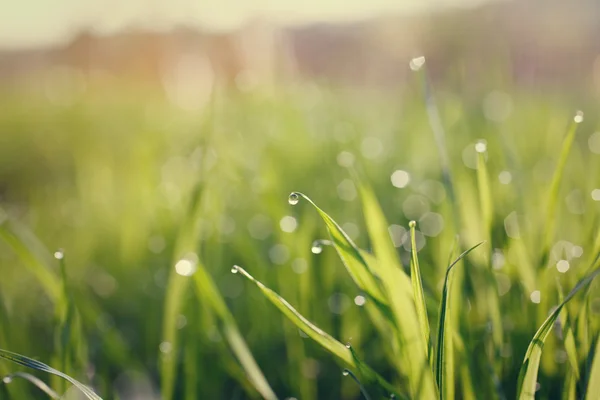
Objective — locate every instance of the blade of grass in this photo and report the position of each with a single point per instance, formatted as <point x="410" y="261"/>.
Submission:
<point x="443" y="345"/>
<point x="208" y="293"/>
<point x="569" y="337"/>
<point x="363" y="391"/>
<point x="411" y="339"/>
<point x="341" y="351"/>
<point x="417" y="285"/>
<point x="34" y="380"/>
<point x="593" y="388"/>
<point x="37" y="365"/>
<point x="351" y="257"/>
<point x="553" y="192"/>
<point x="529" y="369"/>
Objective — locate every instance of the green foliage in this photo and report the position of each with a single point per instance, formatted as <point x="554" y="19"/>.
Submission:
<point x="131" y="185"/>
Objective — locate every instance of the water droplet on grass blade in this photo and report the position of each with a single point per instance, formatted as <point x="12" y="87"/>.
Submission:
<point x="412" y="224"/>
<point x="348" y="345"/>
<point x="293" y="199"/>
<point x="234" y="269"/>
<point x="317" y="248"/>
<point x="417" y="63"/>
<point x="481" y="146"/>
<point x="578" y="117"/>
<point x="59" y="254"/>
<point x="7" y="379"/>
<point x="345" y="372"/>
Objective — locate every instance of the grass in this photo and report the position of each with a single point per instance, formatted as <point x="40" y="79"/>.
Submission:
<point x="153" y="205"/>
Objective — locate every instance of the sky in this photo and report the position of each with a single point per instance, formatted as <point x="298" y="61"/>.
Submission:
<point x="37" y="23"/>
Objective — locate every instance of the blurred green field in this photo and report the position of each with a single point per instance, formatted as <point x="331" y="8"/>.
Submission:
<point x="128" y="185"/>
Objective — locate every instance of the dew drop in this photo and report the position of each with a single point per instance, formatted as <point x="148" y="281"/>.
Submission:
<point x="293" y="199"/>
<point x="234" y="269"/>
<point x="417" y="63"/>
<point x="59" y="254"/>
<point x="348" y="345"/>
<point x="412" y="224"/>
<point x="7" y="379"/>
<point x="345" y="372"/>
<point x="481" y="146"/>
<point x="578" y="117"/>
<point x="317" y="247"/>
<point x="360" y="300"/>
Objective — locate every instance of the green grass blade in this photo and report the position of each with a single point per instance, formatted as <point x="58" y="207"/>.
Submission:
<point x="317" y="334"/>
<point x="568" y="335"/>
<point x="485" y="194"/>
<point x="37" y="365"/>
<point x="529" y="369"/>
<point x="444" y="349"/>
<point x="417" y="285"/>
<point x="412" y="341"/>
<point x="553" y="192"/>
<point x="363" y="391"/>
<point x="593" y="388"/>
<point x="34" y="380"/>
<point x="209" y="293"/>
<point x="333" y="346"/>
<point x="348" y="252"/>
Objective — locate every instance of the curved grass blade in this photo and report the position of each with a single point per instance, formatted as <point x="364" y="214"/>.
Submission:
<point x="375" y="379"/>
<point x="531" y="363"/>
<point x="34" y="380"/>
<point x="317" y="334"/>
<point x="593" y="389"/>
<point x="569" y="337"/>
<point x="417" y="285"/>
<point x="34" y="364"/>
<point x="399" y="293"/>
<point x="351" y="257"/>
<point x="363" y="391"/>
<point x="553" y="192"/>
<point x="444" y="330"/>
<point x="326" y="341"/>
<point x="209" y="293"/>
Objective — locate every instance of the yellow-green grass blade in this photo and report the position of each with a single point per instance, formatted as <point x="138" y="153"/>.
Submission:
<point x="400" y="296"/>
<point x="593" y="388"/>
<point x="529" y="369"/>
<point x="37" y="365"/>
<point x="444" y="370"/>
<point x="333" y="346"/>
<point x="485" y="194"/>
<point x="348" y="252"/>
<point x="568" y="335"/>
<point x="553" y="192"/>
<point x="34" y="380"/>
<point x="11" y="233"/>
<point x="208" y="292"/>
<point x="417" y="285"/>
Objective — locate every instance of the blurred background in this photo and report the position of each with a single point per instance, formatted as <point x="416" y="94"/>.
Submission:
<point x="133" y="134"/>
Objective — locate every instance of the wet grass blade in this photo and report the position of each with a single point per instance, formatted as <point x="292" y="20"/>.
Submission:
<point x="553" y="192"/>
<point x="417" y="285"/>
<point x="208" y="292"/>
<point x="531" y="363"/>
<point x="34" y="364"/>
<point x="351" y="256"/>
<point x="317" y="334"/>
<point x="333" y="346"/>
<point x="363" y="391"/>
<point x="34" y="380"/>
<point x="444" y="331"/>
<point x="593" y="388"/>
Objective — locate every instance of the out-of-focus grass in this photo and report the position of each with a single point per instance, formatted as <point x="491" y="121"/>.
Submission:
<point x="110" y="179"/>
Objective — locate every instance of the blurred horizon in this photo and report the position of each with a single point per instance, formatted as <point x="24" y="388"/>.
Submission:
<point x="30" y="24"/>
